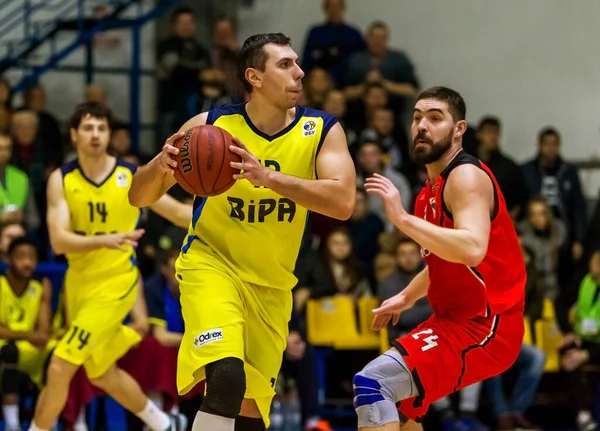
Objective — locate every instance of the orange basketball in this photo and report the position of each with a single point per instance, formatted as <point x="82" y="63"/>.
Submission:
<point x="203" y="167"/>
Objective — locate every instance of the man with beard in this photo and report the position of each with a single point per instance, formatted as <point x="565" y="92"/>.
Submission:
<point x="474" y="279"/>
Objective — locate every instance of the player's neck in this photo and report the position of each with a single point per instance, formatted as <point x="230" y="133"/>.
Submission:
<point x="17" y="284"/>
<point x="268" y="118"/>
<point x="435" y="169"/>
<point x="96" y="168"/>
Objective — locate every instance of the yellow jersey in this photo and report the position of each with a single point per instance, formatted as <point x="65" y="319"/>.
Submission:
<point x="20" y="313"/>
<point x="98" y="209"/>
<point x="253" y="229"/>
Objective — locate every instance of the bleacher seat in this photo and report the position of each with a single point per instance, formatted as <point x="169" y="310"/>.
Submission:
<point x="548" y="337"/>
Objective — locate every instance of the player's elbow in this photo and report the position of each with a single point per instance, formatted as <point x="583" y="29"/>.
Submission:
<point x="345" y="207"/>
<point x="475" y="256"/>
<point x="135" y="199"/>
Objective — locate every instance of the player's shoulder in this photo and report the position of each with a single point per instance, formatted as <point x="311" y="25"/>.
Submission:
<point x="311" y="114"/>
<point x="123" y="165"/>
<point x="224" y="111"/>
<point x="67" y="168"/>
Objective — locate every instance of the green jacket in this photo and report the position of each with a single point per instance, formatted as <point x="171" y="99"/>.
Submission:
<point x="15" y="188"/>
<point x="588" y="309"/>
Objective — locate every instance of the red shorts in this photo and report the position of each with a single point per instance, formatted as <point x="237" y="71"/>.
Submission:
<point x="446" y="354"/>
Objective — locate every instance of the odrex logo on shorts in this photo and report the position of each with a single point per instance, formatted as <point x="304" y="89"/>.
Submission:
<point x="208" y="337"/>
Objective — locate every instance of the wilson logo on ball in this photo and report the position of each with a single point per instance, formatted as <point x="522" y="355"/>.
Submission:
<point x="186" y="163"/>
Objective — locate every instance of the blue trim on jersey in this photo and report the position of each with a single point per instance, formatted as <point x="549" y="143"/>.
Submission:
<point x="328" y="122"/>
<point x="199" y="202"/>
<point x="221" y="111"/>
<point x="69" y="167"/>
<point x="124" y="164"/>
<point x="188" y="244"/>
<point x="299" y="113"/>
<point x="132" y="260"/>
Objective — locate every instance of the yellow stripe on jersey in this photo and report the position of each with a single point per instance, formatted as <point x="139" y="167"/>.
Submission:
<point x="20" y="313"/>
<point x="253" y="229"/>
<point x="98" y="209"/>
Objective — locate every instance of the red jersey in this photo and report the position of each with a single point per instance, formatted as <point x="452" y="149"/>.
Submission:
<point x="497" y="284"/>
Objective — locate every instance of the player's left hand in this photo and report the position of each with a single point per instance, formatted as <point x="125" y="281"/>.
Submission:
<point x="251" y="168"/>
<point x="381" y="186"/>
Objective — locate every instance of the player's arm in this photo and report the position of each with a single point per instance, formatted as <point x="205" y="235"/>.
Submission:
<point x="154" y="179"/>
<point x="176" y="212"/>
<point x="59" y="220"/>
<point x="44" y="321"/>
<point x="166" y="337"/>
<point x="332" y="194"/>
<point x="469" y="196"/>
<point x="139" y="312"/>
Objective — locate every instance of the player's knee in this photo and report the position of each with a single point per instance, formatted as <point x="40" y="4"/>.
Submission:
<point x="60" y="372"/>
<point x="9" y="356"/>
<point x="379" y="386"/>
<point x="225" y="387"/>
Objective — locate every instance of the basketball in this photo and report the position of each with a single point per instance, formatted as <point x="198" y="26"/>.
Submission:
<point x="203" y="167"/>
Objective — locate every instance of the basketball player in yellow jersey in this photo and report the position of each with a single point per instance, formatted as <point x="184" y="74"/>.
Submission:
<point x="92" y="223"/>
<point x="24" y="326"/>
<point x="236" y="266"/>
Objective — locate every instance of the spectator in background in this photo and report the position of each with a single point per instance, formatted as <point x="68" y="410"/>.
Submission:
<point x="8" y="233"/>
<point x="529" y="366"/>
<point x="581" y="344"/>
<point x="408" y="264"/>
<point x="120" y="143"/>
<point x="330" y="45"/>
<point x="5" y="93"/>
<point x="550" y="176"/>
<point x="544" y="236"/>
<point x="370" y="161"/>
<point x="336" y="105"/>
<point x="593" y="237"/>
<point x="49" y="129"/>
<point x="346" y="275"/>
<point x="508" y="174"/>
<point x="359" y="112"/>
<point x="95" y="92"/>
<point x="181" y="59"/>
<point x="378" y="64"/>
<point x="317" y="85"/>
<point x="365" y="228"/>
<point x="382" y="128"/>
<point x="17" y="202"/>
<point x="224" y="57"/>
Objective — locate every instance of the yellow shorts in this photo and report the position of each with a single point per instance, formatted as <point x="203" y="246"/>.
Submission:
<point x="33" y="361"/>
<point x="97" y="337"/>
<point x="227" y="317"/>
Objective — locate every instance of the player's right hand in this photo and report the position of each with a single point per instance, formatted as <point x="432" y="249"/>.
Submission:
<point x="166" y="159"/>
<point x="390" y="309"/>
<point x="38" y="339"/>
<point x="118" y="241"/>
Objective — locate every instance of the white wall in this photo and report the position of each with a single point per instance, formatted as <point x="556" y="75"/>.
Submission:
<point x="532" y="63"/>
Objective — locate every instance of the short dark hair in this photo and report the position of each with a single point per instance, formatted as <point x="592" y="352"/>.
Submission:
<point x="548" y="131"/>
<point x="405" y="240"/>
<point x="489" y="121"/>
<point x="182" y="10"/>
<point x="253" y="55"/>
<point x="93" y="109"/>
<point x="456" y="103"/>
<point x="378" y="24"/>
<point x="18" y="242"/>
<point x="229" y="19"/>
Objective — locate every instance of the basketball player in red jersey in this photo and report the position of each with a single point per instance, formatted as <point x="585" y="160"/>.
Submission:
<point x="474" y="279"/>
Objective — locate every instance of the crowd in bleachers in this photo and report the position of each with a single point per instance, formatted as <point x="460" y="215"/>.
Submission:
<point x="344" y="268"/>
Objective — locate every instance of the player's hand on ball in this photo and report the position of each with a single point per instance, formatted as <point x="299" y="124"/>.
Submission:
<point x="118" y="241"/>
<point x="381" y="186"/>
<point x="166" y="158"/>
<point x="251" y="168"/>
<point x="390" y="309"/>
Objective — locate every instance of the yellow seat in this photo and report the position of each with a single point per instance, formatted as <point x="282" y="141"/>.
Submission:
<point x="527" y="338"/>
<point x="548" y="312"/>
<point x="330" y="319"/>
<point x="366" y="305"/>
<point x="548" y="339"/>
<point x="384" y="343"/>
<point x="333" y="322"/>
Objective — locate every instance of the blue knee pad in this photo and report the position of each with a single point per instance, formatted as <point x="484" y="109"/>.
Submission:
<point x="379" y="386"/>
